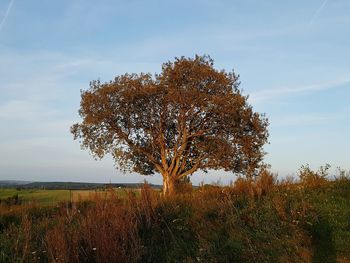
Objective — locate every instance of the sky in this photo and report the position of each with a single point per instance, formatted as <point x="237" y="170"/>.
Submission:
<point x="293" y="58"/>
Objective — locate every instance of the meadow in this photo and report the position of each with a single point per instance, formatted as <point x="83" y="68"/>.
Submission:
<point x="260" y="220"/>
<point x="33" y="195"/>
<point x="49" y="197"/>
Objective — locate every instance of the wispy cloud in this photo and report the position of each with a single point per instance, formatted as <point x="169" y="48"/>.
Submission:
<point x="267" y="94"/>
<point x="6" y="14"/>
<point x="25" y="110"/>
<point x="303" y="120"/>
<point x="317" y="12"/>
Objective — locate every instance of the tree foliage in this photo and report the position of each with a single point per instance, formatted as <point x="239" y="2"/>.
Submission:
<point x="189" y="117"/>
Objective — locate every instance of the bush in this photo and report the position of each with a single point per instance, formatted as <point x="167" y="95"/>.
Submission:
<point x="260" y="185"/>
<point x="12" y="200"/>
<point x="312" y="178"/>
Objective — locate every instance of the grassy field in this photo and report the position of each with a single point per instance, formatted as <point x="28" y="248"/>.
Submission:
<point x="40" y="196"/>
<point x="50" y="197"/>
<point x="250" y="221"/>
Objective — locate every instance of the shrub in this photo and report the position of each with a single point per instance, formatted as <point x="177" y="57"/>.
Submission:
<point x="256" y="187"/>
<point x="12" y="200"/>
<point x="312" y="178"/>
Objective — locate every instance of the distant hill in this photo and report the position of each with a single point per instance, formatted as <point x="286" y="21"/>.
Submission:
<point x="5" y="183"/>
<point x="66" y="185"/>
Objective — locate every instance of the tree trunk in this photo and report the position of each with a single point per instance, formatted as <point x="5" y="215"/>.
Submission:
<point x="168" y="185"/>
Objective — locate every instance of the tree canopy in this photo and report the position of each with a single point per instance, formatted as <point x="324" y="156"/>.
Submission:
<point x="189" y="117"/>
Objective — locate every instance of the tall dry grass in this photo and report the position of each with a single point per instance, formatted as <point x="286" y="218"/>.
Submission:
<point x="255" y="187"/>
<point x="254" y="220"/>
<point x="105" y="232"/>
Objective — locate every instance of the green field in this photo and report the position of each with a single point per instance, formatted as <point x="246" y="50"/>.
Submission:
<point x="54" y="196"/>
<point x="41" y="196"/>
<point x="46" y="196"/>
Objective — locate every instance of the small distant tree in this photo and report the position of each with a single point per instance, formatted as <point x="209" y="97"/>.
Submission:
<point x="189" y="117"/>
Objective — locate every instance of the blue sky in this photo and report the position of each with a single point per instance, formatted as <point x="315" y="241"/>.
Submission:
<point x="293" y="58"/>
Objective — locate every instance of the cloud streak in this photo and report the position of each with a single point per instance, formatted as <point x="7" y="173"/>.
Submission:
<point x="303" y="120"/>
<point x="268" y="94"/>
<point x="317" y="12"/>
<point x="6" y="14"/>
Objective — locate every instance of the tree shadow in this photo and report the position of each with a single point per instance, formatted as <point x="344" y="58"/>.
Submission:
<point x="323" y="244"/>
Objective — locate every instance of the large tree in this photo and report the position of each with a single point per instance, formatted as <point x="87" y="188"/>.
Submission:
<point x="189" y="117"/>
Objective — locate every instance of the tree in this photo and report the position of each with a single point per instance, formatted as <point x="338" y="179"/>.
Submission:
<point x="189" y="117"/>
